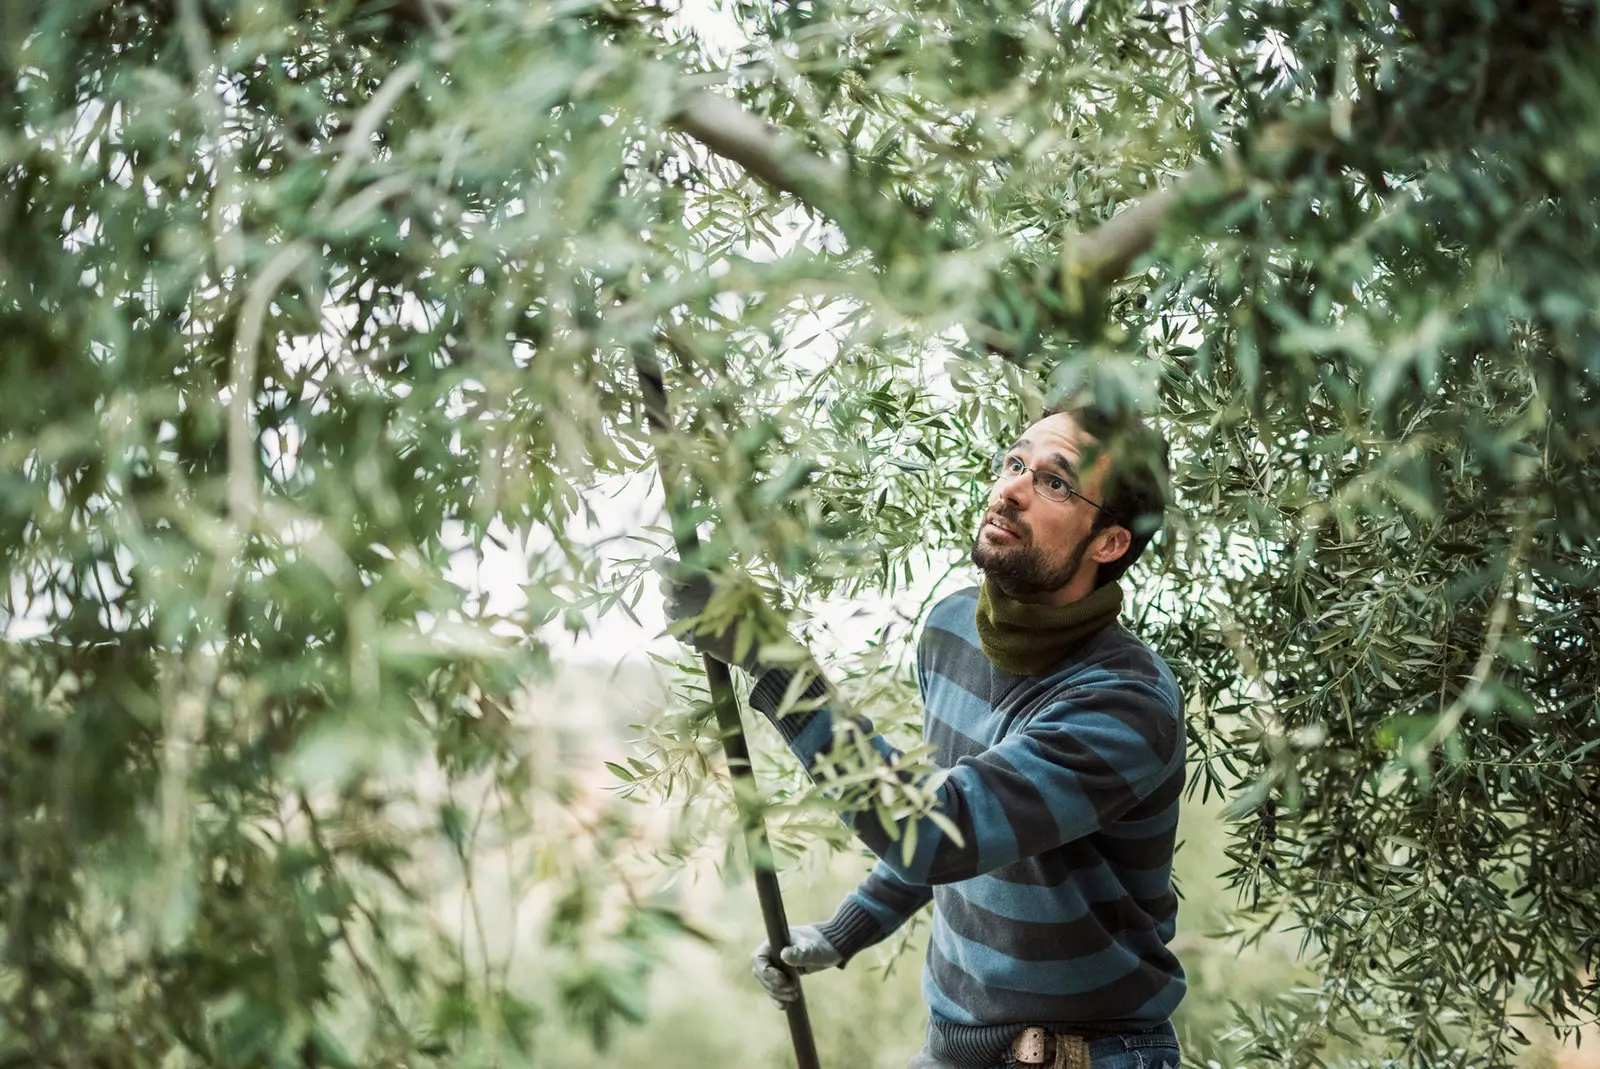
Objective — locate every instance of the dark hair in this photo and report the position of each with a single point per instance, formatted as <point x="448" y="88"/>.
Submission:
<point x="1135" y="490"/>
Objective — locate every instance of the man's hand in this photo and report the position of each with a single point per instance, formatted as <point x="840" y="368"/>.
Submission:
<point x="807" y="952"/>
<point x="687" y="594"/>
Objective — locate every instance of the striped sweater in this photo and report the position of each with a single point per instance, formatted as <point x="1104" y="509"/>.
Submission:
<point x="1057" y="906"/>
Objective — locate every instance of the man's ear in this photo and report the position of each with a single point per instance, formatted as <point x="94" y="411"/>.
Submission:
<point x="1111" y="544"/>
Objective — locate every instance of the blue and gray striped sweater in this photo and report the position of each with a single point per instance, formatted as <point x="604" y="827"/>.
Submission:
<point x="1057" y="907"/>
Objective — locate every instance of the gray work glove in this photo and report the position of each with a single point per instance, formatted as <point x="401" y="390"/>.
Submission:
<point x="687" y="594"/>
<point x="807" y="952"/>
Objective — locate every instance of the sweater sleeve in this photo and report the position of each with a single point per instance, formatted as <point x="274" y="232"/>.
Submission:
<point x="873" y="911"/>
<point x="883" y="902"/>
<point x="1096" y="751"/>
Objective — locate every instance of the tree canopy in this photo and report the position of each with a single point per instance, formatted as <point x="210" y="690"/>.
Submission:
<point x="300" y="303"/>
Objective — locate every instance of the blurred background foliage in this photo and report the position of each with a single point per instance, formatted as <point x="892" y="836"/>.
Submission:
<point x="301" y="306"/>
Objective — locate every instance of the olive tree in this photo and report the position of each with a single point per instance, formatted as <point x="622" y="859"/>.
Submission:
<point x="301" y="304"/>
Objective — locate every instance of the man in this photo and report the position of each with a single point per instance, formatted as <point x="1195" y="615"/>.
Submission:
<point x="1063" y="738"/>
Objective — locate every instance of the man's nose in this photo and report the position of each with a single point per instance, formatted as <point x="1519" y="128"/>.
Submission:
<point x="1015" y="489"/>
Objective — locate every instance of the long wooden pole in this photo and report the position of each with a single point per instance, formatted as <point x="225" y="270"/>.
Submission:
<point x="726" y="707"/>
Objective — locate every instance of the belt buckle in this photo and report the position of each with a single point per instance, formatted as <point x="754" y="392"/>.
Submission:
<point x="1029" y="1046"/>
<point x="1033" y="1047"/>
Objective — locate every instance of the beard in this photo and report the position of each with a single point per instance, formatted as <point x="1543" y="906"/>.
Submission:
<point x="1024" y="570"/>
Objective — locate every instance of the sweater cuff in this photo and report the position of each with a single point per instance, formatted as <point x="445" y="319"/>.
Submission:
<point x="851" y="930"/>
<point x="767" y="696"/>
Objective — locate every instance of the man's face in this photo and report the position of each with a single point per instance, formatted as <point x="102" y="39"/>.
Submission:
<point x="1037" y="549"/>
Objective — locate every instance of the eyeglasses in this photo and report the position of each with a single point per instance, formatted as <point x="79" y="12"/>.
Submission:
<point x="1047" y="484"/>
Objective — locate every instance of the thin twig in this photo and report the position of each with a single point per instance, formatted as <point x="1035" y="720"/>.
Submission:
<point x="242" y="445"/>
<point x="368" y="974"/>
<point x="1499" y="618"/>
<point x="358" y="139"/>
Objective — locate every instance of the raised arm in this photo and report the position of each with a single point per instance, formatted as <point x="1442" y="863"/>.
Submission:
<point x="1083" y="761"/>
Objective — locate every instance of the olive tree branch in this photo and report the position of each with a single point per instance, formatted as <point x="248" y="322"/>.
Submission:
<point x="1097" y="257"/>
<point x="1093" y="261"/>
<point x="869" y="218"/>
<point x="732" y="132"/>
<point x="1090" y="262"/>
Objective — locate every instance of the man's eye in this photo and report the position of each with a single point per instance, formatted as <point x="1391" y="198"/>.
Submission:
<point x="1014" y="464"/>
<point x="1059" y="485"/>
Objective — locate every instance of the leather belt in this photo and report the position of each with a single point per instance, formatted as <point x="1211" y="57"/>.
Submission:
<point x="1054" y="1050"/>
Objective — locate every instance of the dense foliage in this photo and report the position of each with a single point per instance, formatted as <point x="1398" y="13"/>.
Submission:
<point x="299" y="305"/>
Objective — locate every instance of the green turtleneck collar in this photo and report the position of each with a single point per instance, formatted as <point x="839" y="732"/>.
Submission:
<point x="1023" y="639"/>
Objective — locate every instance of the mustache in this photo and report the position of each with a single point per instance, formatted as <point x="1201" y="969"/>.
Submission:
<point x="1011" y="516"/>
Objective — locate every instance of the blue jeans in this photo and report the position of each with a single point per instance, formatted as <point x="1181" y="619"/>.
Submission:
<point x="1134" y="1050"/>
